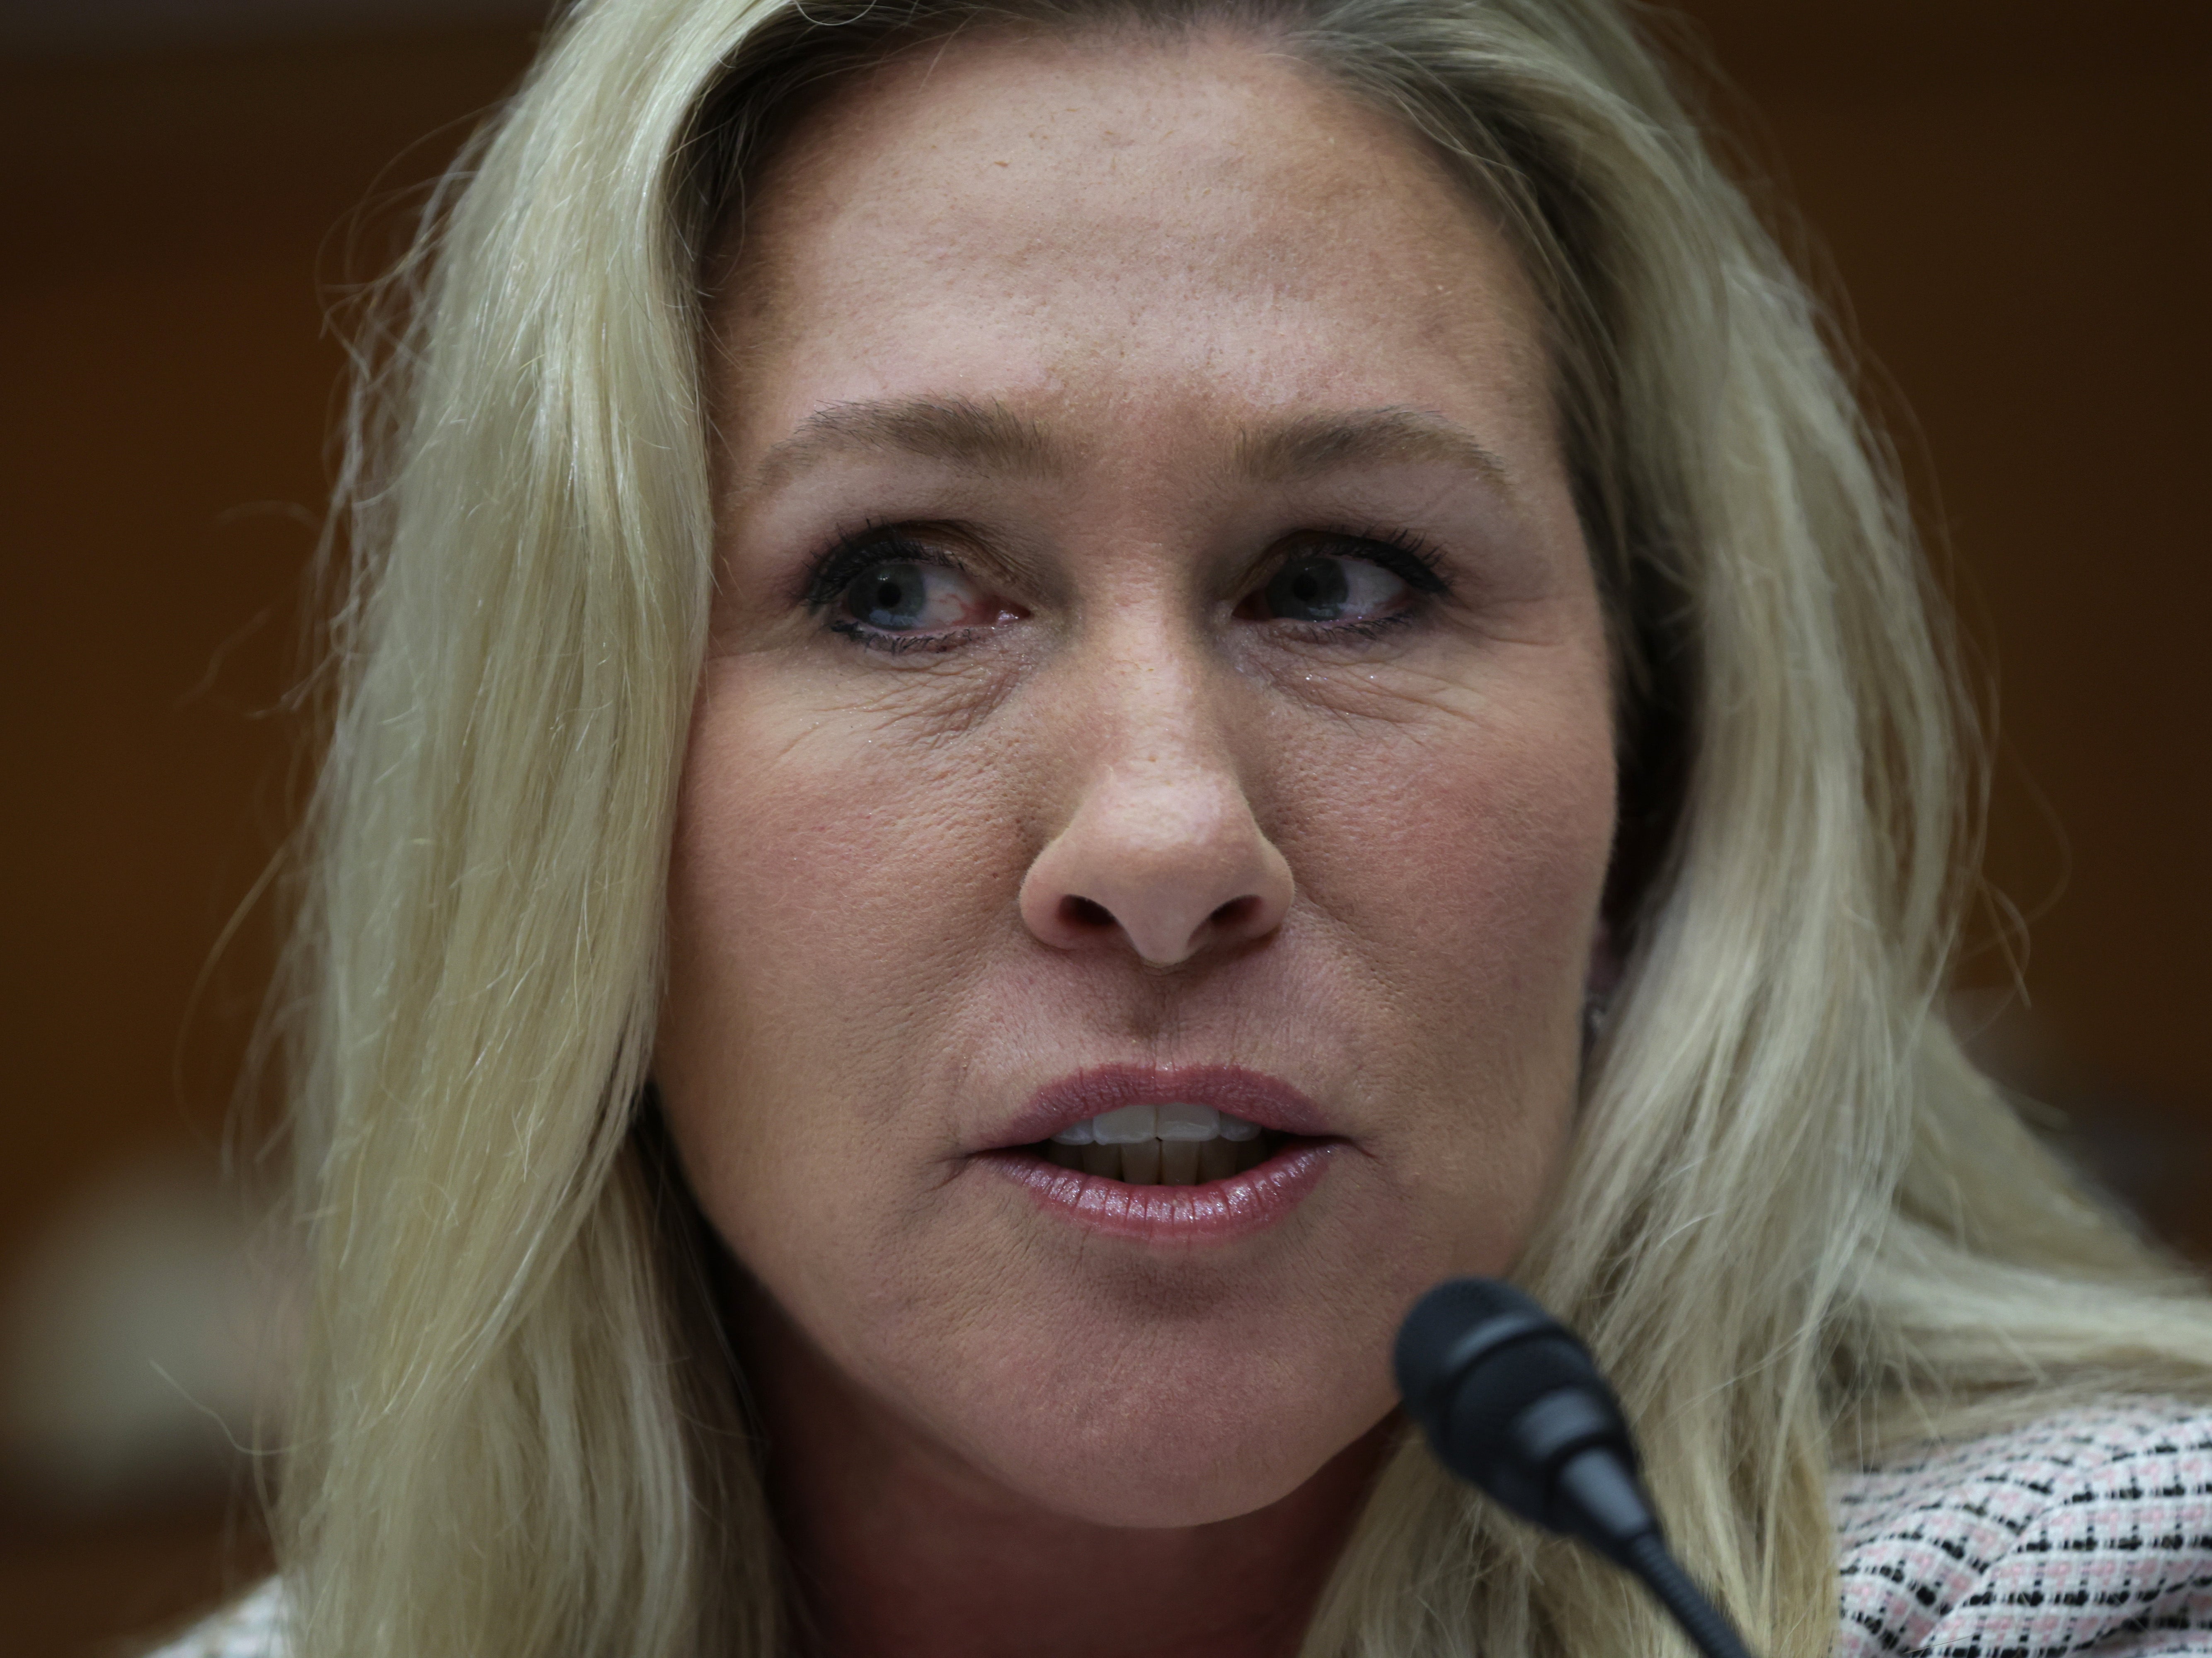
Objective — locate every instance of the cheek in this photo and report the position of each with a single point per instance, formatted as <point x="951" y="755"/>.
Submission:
<point x="1468" y="851"/>
<point x="1505" y="860"/>
<point x="813" y="845"/>
<point x="831" y="882"/>
<point x="1457" y="863"/>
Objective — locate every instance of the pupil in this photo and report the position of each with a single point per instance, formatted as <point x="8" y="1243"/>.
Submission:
<point x="1312" y="590"/>
<point x="889" y="596"/>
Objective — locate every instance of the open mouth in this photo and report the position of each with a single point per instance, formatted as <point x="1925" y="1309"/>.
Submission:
<point x="1175" y="1144"/>
<point x="1168" y="1155"/>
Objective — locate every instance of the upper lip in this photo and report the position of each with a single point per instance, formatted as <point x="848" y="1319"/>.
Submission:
<point x="1267" y="1100"/>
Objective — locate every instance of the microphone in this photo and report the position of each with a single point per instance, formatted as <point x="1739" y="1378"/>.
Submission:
<point x="1513" y="1403"/>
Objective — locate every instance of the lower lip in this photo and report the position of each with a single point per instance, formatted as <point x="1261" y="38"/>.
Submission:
<point x="1216" y="1212"/>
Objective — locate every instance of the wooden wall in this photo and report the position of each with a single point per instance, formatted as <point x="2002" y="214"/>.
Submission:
<point x="166" y="387"/>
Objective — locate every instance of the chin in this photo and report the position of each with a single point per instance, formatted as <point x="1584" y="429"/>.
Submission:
<point x="1134" y="1436"/>
<point x="1179" y="1481"/>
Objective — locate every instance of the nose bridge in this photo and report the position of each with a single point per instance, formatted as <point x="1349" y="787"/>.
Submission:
<point x="1154" y="723"/>
<point x="1159" y="848"/>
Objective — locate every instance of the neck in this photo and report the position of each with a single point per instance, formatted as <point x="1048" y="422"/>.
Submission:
<point x="896" y="1546"/>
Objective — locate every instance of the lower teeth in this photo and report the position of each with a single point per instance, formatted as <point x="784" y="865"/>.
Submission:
<point x="1164" y="1162"/>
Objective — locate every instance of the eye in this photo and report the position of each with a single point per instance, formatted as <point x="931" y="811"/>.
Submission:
<point x="894" y="590"/>
<point x="899" y="596"/>
<point x="1317" y="584"/>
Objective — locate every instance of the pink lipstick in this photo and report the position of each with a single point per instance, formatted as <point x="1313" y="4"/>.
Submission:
<point x="1187" y="1154"/>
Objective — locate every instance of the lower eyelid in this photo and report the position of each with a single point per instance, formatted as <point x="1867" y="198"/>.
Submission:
<point x="1368" y="625"/>
<point x="897" y="644"/>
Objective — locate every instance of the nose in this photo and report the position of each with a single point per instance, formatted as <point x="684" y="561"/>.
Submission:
<point x="1163" y="853"/>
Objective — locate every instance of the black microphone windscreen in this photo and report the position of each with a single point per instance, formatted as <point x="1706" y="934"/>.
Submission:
<point x="1429" y="1341"/>
<point x="1512" y="1401"/>
<point x="1494" y="1393"/>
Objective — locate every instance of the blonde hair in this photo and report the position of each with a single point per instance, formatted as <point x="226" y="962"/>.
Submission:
<point x="1797" y="1225"/>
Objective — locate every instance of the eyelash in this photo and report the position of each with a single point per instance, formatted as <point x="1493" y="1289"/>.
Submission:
<point x="853" y="551"/>
<point x="1405" y="554"/>
<point x="1416" y="563"/>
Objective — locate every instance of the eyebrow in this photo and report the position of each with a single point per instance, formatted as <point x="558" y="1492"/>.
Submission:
<point x="992" y="438"/>
<point x="977" y="436"/>
<point x="1366" y="437"/>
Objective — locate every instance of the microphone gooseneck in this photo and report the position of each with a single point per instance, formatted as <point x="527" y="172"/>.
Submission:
<point x="1512" y="1402"/>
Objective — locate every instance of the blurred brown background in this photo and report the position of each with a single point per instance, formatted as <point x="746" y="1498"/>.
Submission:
<point x="2009" y="191"/>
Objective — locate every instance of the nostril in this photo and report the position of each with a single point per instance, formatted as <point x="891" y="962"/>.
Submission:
<point x="1085" y="915"/>
<point x="1233" y="914"/>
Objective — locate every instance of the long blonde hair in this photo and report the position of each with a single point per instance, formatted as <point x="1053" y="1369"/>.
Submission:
<point x="1797" y="1225"/>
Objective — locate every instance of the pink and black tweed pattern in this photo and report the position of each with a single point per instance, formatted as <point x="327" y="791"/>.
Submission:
<point x="2089" y="1533"/>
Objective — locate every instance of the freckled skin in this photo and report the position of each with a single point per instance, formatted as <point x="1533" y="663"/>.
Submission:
<point x="1143" y="253"/>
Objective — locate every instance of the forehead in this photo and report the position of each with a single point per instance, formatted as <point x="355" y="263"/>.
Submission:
<point x="1202" y="227"/>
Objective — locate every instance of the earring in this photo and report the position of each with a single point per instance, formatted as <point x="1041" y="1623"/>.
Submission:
<point x="1598" y="983"/>
<point x="1597" y="1007"/>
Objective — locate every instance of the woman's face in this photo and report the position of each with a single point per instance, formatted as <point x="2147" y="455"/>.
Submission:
<point x="1157" y="688"/>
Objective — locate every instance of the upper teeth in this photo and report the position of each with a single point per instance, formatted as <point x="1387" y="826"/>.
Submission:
<point x="1133" y="1124"/>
